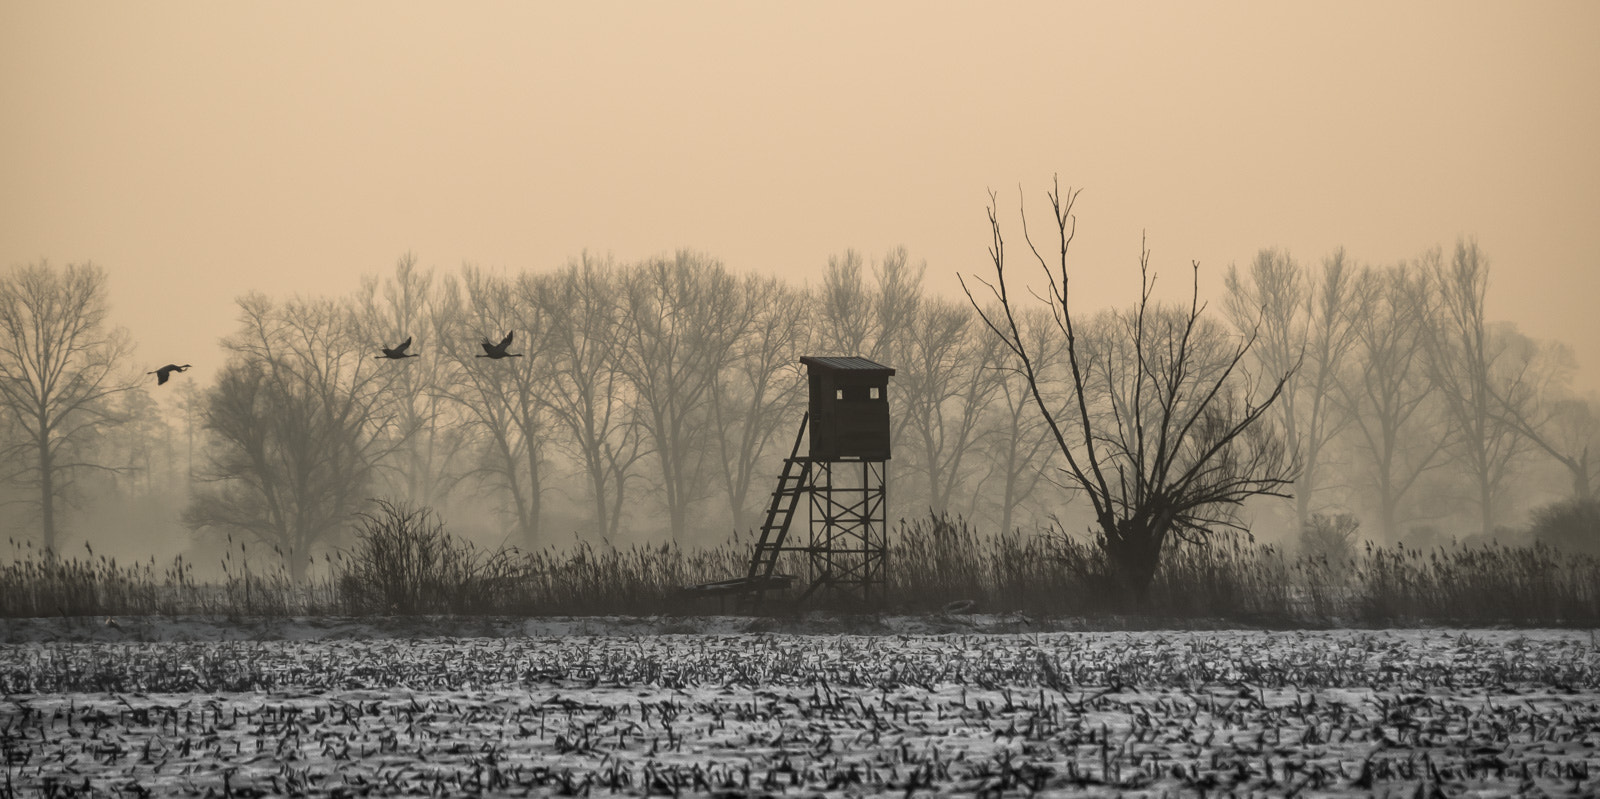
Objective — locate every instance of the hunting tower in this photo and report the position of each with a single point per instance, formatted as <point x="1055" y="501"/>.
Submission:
<point x="849" y="409"/>
<point x="843" y="476"/>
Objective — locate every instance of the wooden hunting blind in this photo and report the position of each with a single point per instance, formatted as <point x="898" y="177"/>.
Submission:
<point x="845" y="477"/>
<point x="849" y="408"/>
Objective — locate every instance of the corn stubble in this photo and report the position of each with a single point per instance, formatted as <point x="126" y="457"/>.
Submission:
<point x="1136" y="713"/>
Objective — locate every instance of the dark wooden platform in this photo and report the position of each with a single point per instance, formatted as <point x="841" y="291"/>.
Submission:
<point x="740" y="585"/>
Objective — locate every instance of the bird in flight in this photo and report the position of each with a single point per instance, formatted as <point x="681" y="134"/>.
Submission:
<point x="498" y="351"/>
<point x="166" y="371"/>
<point x="399" y="352"/>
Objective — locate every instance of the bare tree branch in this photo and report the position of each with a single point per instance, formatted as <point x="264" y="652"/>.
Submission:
<point x="1168" y="438"/>
<point x="60" y="368"/>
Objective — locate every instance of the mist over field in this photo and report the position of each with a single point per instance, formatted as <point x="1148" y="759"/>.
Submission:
<point x="665" y="208"/>
<point x="654" y="402"/>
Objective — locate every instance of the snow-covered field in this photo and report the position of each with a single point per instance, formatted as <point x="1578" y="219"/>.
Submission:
<point x="600" y="706"/>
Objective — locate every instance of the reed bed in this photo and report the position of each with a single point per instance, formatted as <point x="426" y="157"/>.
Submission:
<point x="940" y="560"/>
<point x="406" y="564"/>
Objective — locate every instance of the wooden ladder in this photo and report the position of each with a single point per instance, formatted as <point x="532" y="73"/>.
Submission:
<point x="792" y="483"/>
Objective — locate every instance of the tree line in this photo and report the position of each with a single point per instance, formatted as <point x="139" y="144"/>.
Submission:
<point x="1408" y="404"/>
<point x="657" y="398"/>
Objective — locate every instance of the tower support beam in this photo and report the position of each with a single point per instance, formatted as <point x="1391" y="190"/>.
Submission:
<point x="848" y="551"/>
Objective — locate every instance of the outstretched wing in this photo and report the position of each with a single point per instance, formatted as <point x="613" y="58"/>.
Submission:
<point x="404" y="345"/>
<point x="161" y="376"/>
<point x="506" y="342"/>
<point x="487" y="346"/>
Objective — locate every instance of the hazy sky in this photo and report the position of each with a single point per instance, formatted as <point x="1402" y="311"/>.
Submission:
<point x="199" y="150"/>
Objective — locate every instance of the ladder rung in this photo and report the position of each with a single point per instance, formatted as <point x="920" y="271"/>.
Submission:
<point x="791" y="484"/>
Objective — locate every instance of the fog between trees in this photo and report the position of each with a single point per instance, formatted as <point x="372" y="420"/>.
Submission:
<point x="655" y="401"/>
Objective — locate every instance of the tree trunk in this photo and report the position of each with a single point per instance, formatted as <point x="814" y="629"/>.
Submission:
<point x="1582" y="486"/>
<point x="1134" y="552"/>
<point x="1306" y="484"/>
<point x="530" y="530"/>
<point x="1387" y="511"/>
<point x="938" y="503"/>
<point x="1302" y="505"/>
<point x="1486" y="502"/>
<point x="619" y="494"/>
<point x="1008" y="502"/>
<point x="678" y="515"/>
<point x="597" y="483"/>
<point x="47" y="497"/>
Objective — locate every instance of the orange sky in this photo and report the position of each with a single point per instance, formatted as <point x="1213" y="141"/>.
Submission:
<point x="199" y="150"/>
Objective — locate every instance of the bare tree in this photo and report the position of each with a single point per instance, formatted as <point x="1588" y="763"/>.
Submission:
<point x="846" y="322"/>
<point x="588" y="393"/>
<point x="683" y="317"/>
<point x="137" y="450"/>
<point x="758" y="390"/>
<point x="300" y="417"/>
<point x="1165" y="445"/>
<point x="946" y="384"/>
<point x="873" y="322"/>
<point x="1387" y="392"/>
<point x="1465" y="360"/>
<point x="1307" y="330"/>
<point x="1534" y="397"/>
<point x="1015" y="441"/>
<point x="431" y="443"/>
<point x="897" y="304"/>
<point x="1571" y="427"/>
<point x="59" y="367"/>
<point x="191" y="406"/>
<point x="501" y="398"/>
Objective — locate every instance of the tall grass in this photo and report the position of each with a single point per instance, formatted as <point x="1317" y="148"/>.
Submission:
<point x="940" y="560"/>
<point x="1528" y="584"/>
<point x="405" y="562"/>
<point x="34" y="585"/>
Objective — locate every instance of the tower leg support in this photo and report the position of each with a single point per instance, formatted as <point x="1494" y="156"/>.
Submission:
<point x="848" y="553"/>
